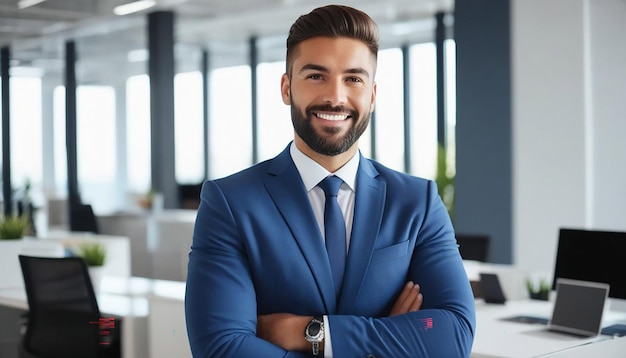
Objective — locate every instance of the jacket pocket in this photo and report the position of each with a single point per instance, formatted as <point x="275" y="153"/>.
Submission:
<point x="390" y="252"/>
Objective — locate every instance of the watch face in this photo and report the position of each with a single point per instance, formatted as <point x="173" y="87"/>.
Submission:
<point x="314" y="329"/>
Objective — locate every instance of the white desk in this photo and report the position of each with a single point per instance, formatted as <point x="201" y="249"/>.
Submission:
<point x="160" y="240"/>
<point x="167" y="329"/>
<point x="605" y="349"/>
<point x="126" y="298"/>
<point x="497" y="338"/>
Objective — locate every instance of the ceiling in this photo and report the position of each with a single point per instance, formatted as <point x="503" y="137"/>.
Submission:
<point x="111" y="46"/>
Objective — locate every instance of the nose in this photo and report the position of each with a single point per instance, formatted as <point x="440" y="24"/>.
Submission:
<point x="336" y="92"/>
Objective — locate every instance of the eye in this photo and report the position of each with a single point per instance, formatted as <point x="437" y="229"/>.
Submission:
<point x="354" y="79"/>
<point x="314" y="76"/>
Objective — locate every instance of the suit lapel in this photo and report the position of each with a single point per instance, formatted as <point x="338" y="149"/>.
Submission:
<point x="368" y="212"/>
<point x="285" y="186"/>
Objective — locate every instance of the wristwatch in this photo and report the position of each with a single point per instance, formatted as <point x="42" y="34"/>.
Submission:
<point x="314" y="333"/>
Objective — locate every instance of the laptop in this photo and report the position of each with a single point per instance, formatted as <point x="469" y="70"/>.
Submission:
<point x="578" y="307"/>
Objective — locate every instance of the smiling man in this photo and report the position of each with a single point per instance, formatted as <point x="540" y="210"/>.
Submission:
<point x="320" y="251"/>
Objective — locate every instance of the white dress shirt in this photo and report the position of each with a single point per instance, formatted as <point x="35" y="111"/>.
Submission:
<point x="312" y="174"/>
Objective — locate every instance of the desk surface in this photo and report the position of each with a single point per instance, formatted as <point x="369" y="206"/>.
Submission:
<point x="605" y="349"/>
<point x="497" y="338"/>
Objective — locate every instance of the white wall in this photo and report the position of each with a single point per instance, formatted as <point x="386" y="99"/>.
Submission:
<point x="569" y="98"/>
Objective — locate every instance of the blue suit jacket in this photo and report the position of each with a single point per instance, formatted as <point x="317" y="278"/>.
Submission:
<point x="257" y="249"/>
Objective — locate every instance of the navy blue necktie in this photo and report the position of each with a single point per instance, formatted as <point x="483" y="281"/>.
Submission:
<point x="335" y="229"/>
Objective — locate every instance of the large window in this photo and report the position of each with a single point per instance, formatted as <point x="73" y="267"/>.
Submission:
<point x="26" y="134"/>
<point x="138" y="134"/>
<point x="274" y="117"/>
<point x="96" y="146"/>
<point x="423" y="80"/>
<point x="189" y="128"/>
<point x="390" y="110"/>
<point x="230" y="128"/>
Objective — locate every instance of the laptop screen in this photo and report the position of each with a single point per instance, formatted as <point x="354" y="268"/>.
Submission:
<point x="578" y="307"/>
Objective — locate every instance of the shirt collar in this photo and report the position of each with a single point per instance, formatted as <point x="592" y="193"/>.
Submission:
<point x="312" y="173"/>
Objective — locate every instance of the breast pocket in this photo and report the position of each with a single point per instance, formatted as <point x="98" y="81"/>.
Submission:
<point x="390" y="253"/>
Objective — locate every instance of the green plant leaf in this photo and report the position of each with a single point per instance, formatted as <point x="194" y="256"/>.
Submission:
<point x="13" y="227"/>
<point x="94" y="253"/>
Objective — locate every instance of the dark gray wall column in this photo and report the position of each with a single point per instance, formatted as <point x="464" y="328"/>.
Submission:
<point x="254" y="62"/>
<point x="204" y="65"/>
<point x="440" y="38"/>
<point x="483" y="127"/>
<point x="406" y="104"/>
<point x="5" y="60"/>
<point x="73" y="194"/>
<point x="161" y="72"/>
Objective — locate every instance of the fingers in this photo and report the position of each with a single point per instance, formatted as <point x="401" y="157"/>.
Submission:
<point x="410" y="300"/>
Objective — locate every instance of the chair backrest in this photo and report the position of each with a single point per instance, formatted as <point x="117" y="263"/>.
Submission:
<point x="63" y="319"/>
<point x="83" y="219"/>
<point x="473" y="247"/>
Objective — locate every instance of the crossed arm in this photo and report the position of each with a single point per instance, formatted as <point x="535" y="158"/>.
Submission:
<point x="287" y="330"/>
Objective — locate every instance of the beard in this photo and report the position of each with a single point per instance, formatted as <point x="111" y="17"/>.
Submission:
<point x="329" y="142"/>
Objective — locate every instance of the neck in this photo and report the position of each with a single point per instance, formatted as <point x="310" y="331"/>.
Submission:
<point x="332" y="163"/>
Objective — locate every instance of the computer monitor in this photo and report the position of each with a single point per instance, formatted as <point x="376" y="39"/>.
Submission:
<point x="596" y="256"/>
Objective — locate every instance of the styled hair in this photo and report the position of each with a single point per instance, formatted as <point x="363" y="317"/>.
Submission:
<point x="332" y="21"/>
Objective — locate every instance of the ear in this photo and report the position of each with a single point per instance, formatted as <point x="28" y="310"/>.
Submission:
<point x="373" y="102"/>
<point x="285" y="89"/>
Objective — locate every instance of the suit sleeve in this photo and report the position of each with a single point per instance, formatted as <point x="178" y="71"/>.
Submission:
<point x="220" y="299"/>
<point x="445" y="325"/>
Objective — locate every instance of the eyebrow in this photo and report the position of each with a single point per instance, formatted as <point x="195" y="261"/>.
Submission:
<point x="315" y="67"/>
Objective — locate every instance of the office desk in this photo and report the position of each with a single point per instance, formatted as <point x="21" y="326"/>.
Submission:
<point x="497" y="338"/>
<point x="608" y="348"/>
<point x="126" y="298"/>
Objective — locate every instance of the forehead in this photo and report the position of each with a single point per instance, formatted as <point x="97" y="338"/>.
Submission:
<point x="334" y="53"/>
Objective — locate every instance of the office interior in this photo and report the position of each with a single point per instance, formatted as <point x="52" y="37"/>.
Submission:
<point x="527" y="97"/>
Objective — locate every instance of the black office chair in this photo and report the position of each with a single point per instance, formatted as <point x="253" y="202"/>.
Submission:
<point x="83" y="219"/>
<point x="189" y="195"/>
<point x="473" y="247"/>
<point x="64" y="320"/>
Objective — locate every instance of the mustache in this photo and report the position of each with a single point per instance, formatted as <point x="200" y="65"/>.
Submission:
<point x="329" y="108"/>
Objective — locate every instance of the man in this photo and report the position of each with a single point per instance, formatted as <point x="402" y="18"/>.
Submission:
<point x="261" y="282"/>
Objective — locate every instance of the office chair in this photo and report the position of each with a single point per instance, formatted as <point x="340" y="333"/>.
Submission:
<point x="473" y="247"/>
<point x="83" y="219"/>
<point x="189" y="195"/>
<point x="64" y="320"/>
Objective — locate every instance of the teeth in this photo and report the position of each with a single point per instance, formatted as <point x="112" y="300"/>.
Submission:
<point x="332" y="117"/>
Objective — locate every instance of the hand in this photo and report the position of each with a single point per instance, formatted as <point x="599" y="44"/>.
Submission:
<point x="285" y="330"/>
<point x="410" y="300"/>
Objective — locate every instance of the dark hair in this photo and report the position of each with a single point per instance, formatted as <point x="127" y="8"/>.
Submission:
<point x="332" y="21"/>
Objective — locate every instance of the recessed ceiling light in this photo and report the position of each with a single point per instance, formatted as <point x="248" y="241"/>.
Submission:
<point x="134" y="6"/>
<point x="23" y="4"/>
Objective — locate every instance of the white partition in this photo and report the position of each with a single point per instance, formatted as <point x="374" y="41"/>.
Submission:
<point x="169" y="240"/>
<point x="11" y="272"/>
<point x="160" y="240"/>
<point x="133" y="225"/>
<point x="167" y="327"/>
<point x="118" y="261"/>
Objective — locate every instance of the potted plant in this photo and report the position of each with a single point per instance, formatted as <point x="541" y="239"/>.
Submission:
<point x="538" y="292"/>
<point x="94" y="253"/>
<point x="14" y="227"/>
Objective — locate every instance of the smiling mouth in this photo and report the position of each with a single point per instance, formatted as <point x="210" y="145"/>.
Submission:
<point x="332" y="117"/>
